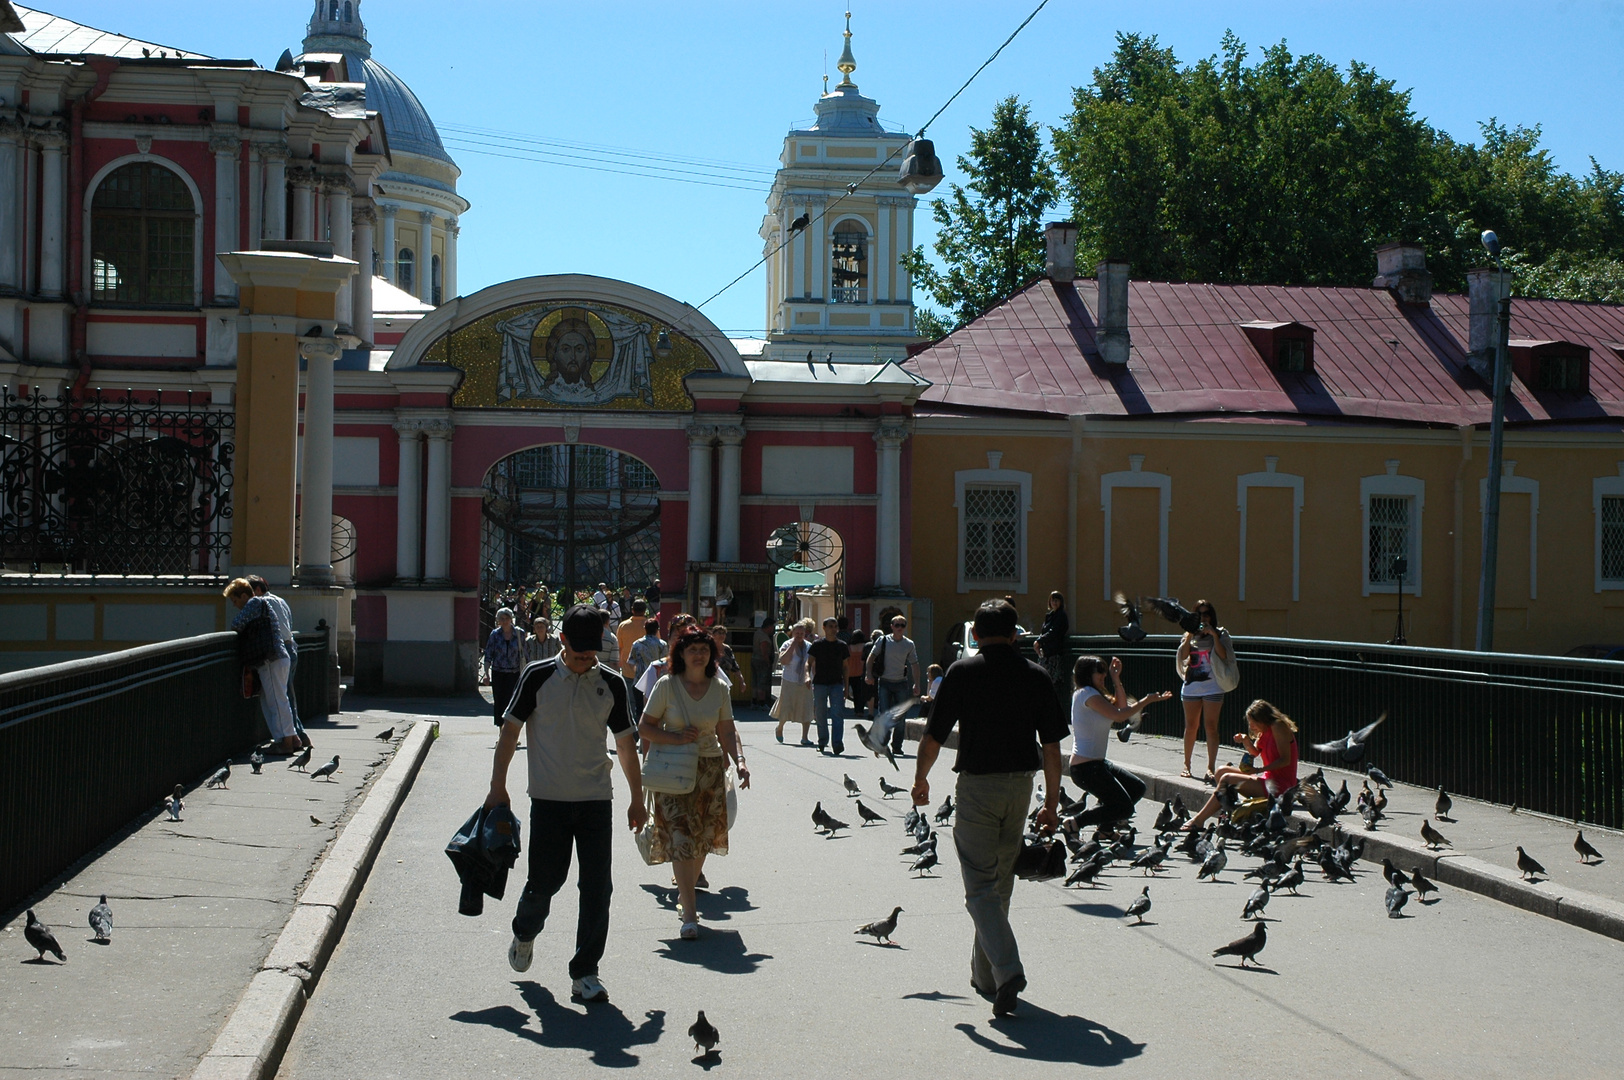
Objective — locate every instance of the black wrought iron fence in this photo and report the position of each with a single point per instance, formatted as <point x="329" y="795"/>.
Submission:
<point x="1542" y="732"/>
<point x="114" y="485"/>
<point x="88" y="745"/>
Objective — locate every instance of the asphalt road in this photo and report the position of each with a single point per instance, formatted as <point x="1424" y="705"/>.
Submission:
<point x="1464" y="986"/>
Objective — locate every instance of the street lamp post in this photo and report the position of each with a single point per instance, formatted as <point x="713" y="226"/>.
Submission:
<point x="1491" y="509"/>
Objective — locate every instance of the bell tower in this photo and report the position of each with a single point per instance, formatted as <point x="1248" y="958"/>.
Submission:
<point x="837" y="285"/>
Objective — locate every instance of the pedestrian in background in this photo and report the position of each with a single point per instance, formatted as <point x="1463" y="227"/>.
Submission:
<point x="893" y="669"/>
<point x="761" y="663"/>
<point x="505" y="656"/>
<point x="541" y="643"/>
<point x="856" y="687"/>
<point x="284" y="626"/>
<point x="609" y="645"/>
<point x="645" y="651"/>
<point x="1010" y="725"/>
<point x="828" y="658"/>
<point x="1203" y="697"/>
<point x="627" y="634"/>
<point x="794" y="704"/>
<point x="1054" y="643"/>
<point x="255" y="623"/>
<point x="726" y="663"/>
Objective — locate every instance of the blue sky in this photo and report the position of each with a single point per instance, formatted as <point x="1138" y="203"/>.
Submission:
<point x="722" y="83"/>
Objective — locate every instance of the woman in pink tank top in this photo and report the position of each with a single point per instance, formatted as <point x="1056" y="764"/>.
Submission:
<point x="1271" y="737"/>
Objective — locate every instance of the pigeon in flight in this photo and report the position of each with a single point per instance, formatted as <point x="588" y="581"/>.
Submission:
<point x="385" y="735"/>
<point x="878" y="749"/>
<point x="1351" y="747"/>
<point x="867" y="815"/>
<point x="174" y="804"/>
<point x="1526" y="864"/>
<point x="301" y="760"/>
<point x="881" y="928"/>
<point x="1247" y="947"/>
<point x="851" y="786"/>
<point x="221" y="775"/>
<point x="256" y="760"/>
<point x="1582" y="846"/>
<point x="925" y="862"/>
<point x="1256" y="902"/>
<point x="1433" y="837"/>
<point x="327" y="770"/>
<point x="1174" y="612"/>
<point x="1131" y="632"/>
<point x="1444" y="804"/>
<point x="1396" y="897"/>
<point x="704" y="1035"/>
<point x="944" y="811"/>
<point x="101" y="920"/>
<point x="888" y="790"/>
<point x="41" y="940"/>
<point x="1140" y="905"/>
<point x="1421" y="884"/>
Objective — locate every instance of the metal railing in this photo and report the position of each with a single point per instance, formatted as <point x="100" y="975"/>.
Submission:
<point x="88" y="745"/>
<point x="1542" y="732"/>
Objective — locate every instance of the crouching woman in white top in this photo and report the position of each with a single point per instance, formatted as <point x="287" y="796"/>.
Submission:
<point x="1093" y="714"/>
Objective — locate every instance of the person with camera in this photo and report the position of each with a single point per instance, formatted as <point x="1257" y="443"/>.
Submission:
<point x="1094" y="712"/>
<point x="1199" y="653"/>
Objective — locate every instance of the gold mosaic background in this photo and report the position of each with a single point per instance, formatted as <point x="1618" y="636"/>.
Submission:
<point x="476" y="350"/>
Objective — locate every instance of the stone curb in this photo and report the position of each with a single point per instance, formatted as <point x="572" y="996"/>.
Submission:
<point x="1587" y="911"/>
<point x="250" y="1045"/>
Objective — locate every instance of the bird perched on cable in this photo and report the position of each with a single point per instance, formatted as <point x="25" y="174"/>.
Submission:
<point x="1377" y="777"/>
<point x="385" y="735"/>
<point x="326" y="770"/>
<point x="301" y="759"/>
<point x="800" y="223"/>
<point x="704" y="1034"/>
<point x="1131" y="631"/>
<point x="41" y="940"/>
<point x="1422" y="885"/>
<point x="851" y="786"/>
<point x="255" y="761"/>
<point x="1247" y="947"/>
<point x="1256" y="902"/>
<point x="944" y="811"/>
<point x="1433" y="837"/>
<point x="1140" y="905"/>
<point x="867" y="815"/>
<point x="925" y="862"/>
<point x="1582" y="846"/>
<point x="1528" y="866"/>
<point x="174" y="804"/>
<point x="1174" y="612"/>
<point x="1351" y="747"/>
<point x="1442" y="807"/>
<point x="1291" y="878"/>
<point x="881" y="928"/>
<point x="221" y="775"/>
<point x="1393" y="874"/>
<point x="101" y="920"/>
<point x="888" y="790"/>
<point x="1395" y="899"/>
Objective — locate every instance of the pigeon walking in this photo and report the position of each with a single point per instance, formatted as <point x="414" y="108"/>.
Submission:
<point x="1086" y="872"/>
<point x="1393" y="874"/>
<point x="829" y="823"/>
<point x="851" y="786"/>
<point x="1247" y="947"/>
<point x="256" y="760"/>
<point x="1528" y="866"/>
<point x="1421" y="884"/>
<point x="1444" y="804"/>
<point x="41" y="940"/>
<point x="868" y="815"/>
<point x="174" y="804"/>
<point x="1396" y="897"/>
<point x="101" y="920"/>
<point x="881" y="929"/>
<point x="221" y="775"/>
<point x="1291" y="878"/>
<point x="888" y="790"/>
<point x="300" y="760"/>
<point x="326" y="770"/>
<point x="704" y="1034"/>
<point x="385" y="735"/>
<point x="1377" y="777"/>
<point x="1582" y="846"/>
<point x="1351" y="747"/>
<point x="1256" y="902"/>
<point x="1433" y="837"/>
<point x="925" y="862"/>
<point x="1214" y="863"/>
<point x="1140" y="906"/>
<point x="944" y="811"/>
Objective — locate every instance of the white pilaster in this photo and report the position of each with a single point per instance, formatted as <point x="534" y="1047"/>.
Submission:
<point x="10" y="179"/>
<point x="341" y="229"/>
<point x="361" y="318"/>
<point x="304" y="204"/>
<point x="225" y="148"/>
<point x="276" y="190"/>
<point x="425" y="259"/>
<point x="879" y="264"/>
<point x="437" y="508"/>
<point x="888" y="521"/>
<point x="700" y="437"/>
<point x="448" y="284"/>
<point x="728" y="486"/>
<point x="408" y="496"/>
<point x="797" y="256"/>
<point x="817" y="234"/>
<point x="316" y="463"/>
<point x="386" y="259"/>
<point x="53" y="222"/>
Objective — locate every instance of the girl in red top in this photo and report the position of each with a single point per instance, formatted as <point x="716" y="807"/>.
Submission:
<point x="1271" y="738"/>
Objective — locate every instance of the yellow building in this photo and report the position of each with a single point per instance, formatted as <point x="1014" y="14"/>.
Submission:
<point x="1277" y="451"/>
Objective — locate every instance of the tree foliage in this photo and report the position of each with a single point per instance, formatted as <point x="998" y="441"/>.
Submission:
<point x="990" y="238"/>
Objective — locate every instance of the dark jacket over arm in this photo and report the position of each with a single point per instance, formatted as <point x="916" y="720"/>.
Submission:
<point x="483" y="851"/>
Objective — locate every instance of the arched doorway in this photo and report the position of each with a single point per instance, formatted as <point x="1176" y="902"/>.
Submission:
<point x="570" y="515"/>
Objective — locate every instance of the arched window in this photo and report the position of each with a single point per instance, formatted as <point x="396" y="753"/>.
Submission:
<point x="848" y="264"/>
<point x="347" y="13"/>
<point x="406" y="271"/>
<point x="377" y="263"/>
<point x="335" y="11"/>
<point x="141" y="237"/>
<point x="434" y="280"/>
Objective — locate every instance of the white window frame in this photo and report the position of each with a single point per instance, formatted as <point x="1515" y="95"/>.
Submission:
<point x="1268" y="478"/>
<point x="1136" y="477"/>
<point x="1511" y="484"/>
<point x="86" y="212"/>
<point x="1391" y="485"/>
<point x="994" y="476"/>
<point x="1605" y="487"/>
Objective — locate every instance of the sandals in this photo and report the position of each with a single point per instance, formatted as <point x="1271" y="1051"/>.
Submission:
<point x="690" y="931"/>
<point x="1186" y="773"/>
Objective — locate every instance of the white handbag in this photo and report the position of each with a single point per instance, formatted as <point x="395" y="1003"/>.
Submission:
<point x="1226" y="673"/>
<point x="672" y="768"/>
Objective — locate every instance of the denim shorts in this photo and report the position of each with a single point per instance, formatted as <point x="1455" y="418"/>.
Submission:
<point x="1203" y="697"/>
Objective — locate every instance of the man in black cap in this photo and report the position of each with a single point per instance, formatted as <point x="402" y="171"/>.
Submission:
<point x="568" y="702"/>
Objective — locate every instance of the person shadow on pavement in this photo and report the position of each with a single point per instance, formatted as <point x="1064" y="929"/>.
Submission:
<point x="721" y="951"/>
<point x="1037" y="1034"/>
<point x="603" y="1030"/>
<point x="717" y="906"/>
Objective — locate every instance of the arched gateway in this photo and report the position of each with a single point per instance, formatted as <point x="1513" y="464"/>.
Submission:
<point x="574" y="429"/>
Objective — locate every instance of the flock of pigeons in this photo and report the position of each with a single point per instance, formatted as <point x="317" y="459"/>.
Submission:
<point x="41" y="938"/>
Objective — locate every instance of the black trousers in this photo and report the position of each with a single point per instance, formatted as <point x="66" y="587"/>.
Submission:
<point x="503" y="683"/>
<point x="1116" y="789"/>
<point x="554" y="828"/>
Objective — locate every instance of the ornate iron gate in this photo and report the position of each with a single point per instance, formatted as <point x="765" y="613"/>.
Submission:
<point x="115" y="486"/>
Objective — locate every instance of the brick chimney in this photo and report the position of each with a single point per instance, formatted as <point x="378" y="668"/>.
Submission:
<point x="1060" y="263"/>
<point x="1113" y="312"/>
<point x="1402" y="268"/>
<point x="1483" y="293"/>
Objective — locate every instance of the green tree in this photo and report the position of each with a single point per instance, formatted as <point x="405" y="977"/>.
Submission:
<point x="990" y="238"/>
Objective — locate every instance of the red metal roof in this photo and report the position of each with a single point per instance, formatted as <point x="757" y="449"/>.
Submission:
<point x="1375" y="359"/>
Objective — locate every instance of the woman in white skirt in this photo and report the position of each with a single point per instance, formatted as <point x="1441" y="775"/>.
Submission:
<point x="794" y="704"/>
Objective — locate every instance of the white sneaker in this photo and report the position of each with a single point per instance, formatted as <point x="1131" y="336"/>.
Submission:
<point x="690" y="931"/>
<point x="588" y="988"/>
<point x="519" y="954"/>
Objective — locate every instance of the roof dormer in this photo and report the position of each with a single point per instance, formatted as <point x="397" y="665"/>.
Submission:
<point x="1287" y="347"/>
<point x="1547" y="365"/>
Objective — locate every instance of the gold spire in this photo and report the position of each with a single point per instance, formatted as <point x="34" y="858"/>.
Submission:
<point x="847" y="63"/>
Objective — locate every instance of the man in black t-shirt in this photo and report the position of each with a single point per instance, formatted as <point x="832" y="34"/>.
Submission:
<point x="1004" y="707"/>
<point x="828" y="658"/>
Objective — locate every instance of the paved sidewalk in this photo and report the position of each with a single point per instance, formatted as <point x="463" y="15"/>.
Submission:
<point x="1466" y="986"/>
<point x="197" y="905"/>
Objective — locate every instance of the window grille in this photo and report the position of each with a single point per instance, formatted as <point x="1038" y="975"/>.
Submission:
<point x="1612" y="538"/>
<point x="848" y="268"/>
<point x="992" y="534"/>
<point x="141" y="237"/>
<point x="1389" y="537"/>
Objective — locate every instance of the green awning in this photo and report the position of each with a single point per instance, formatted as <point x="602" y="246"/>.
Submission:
<point x="793" y="577"/>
